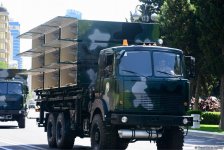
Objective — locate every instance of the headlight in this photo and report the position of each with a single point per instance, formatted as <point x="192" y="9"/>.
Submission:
<point x="124" y="119"/>
<point x="185" y="121"/>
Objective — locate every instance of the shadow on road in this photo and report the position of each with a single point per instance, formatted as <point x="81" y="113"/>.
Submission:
<point x="8" y="127"/>
<point x="38" y="147"/>
<point x="79" y="147"/>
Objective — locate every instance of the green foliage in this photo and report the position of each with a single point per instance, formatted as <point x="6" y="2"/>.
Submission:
<point x="210" y="16"/>
<point x="209" y="128"/>
<point x="210" y="118"/>
<point x="189" y="112"/>
<point x="3" y="65"/>
<point x="178" y="22"/>
<point x="207" y="117"/>
<point x="149" y="7"/>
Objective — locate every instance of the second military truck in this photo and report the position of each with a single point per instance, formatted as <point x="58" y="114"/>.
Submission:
<point x="13" y="94"/>
<point x="89" y="84"/>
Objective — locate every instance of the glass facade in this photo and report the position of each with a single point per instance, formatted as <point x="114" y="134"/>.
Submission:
<point x="73" y="13"/>
<point x="15" y="32"/>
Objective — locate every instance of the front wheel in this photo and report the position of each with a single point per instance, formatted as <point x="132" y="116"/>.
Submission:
<point x="22" y="122"/>
<point x="172" y="138"/>
<point x="102" y="137"/>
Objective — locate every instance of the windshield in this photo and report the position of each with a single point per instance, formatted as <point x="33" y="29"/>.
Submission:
<point x="167" y="64"/>
<point x="136" y="63"/>
<point x="10" y="88"/>
<point x="10" y="95"/>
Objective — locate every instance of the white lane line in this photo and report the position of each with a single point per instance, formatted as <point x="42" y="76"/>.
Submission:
<point x="23" y="145"/>
<point x="5" y="148"/>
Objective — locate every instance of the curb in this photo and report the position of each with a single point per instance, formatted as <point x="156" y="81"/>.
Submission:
<point x="206" y="134"/>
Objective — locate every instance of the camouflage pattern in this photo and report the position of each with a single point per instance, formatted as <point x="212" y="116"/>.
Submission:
<point x="13" y="75"/>
<point x="94" y="36"/>
<point x="12" y="89"/>
<point x="148" y="95"/>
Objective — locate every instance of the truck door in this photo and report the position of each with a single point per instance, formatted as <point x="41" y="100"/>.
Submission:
<point x="107" y="77"/>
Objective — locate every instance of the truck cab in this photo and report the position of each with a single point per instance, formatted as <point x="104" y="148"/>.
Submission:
<point x="142" y="92"/>
<point x="13" y="95"/>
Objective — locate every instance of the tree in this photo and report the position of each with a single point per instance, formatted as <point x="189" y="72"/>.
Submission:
<point x="197" y="28"/>
<point x="211" y="26"/>
<point x="179" y="29"/>
<point x="3" y="65"/>
<point x="147" y="8"/>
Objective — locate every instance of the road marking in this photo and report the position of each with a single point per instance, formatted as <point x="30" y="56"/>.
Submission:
<point x="4" y="148"/>
<point x="23" y="145"/>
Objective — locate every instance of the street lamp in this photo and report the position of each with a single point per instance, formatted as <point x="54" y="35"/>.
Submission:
<point x="136" y="14"/>
<point x="154" y="17"/>
<point x="145" y="18"/>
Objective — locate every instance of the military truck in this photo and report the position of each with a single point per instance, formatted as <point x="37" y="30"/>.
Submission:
<point x="13" y="94"/>
<point x="99" y="79"/>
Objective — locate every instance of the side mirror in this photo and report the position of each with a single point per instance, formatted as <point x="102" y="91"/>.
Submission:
<point x="25" y="89"/>
<point x="190" y="66"/>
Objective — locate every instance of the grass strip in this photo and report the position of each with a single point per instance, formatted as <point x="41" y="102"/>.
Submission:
<point x="209" y="128"/>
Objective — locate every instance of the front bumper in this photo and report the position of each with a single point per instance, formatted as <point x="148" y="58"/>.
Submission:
<point x="151" y="120"/>
<point x="11" y="115"/>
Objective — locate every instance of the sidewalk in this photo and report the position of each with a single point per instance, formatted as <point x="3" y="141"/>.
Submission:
<point x="206" y="134"/>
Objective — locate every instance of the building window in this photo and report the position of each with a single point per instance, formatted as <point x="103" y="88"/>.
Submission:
<point x="2" y="35"/>
<point x="2" y="25"/>
<point x="2" y="45"/>
<point x="2" y="17"/>
<point x="2" y="55"/>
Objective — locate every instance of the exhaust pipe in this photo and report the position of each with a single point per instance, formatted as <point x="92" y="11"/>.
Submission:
<point x="139" y="134"/>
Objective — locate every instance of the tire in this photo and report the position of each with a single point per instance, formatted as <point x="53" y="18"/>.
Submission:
<point x="22" y="122"/>
<point x="64" y="137"/>
<point x="51" y="131"/>
<point x="172" y="138"/>
<point x="102" y="137"/>
<point x="122" y="144"/>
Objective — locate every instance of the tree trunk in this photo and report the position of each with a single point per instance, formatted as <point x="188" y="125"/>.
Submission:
<point x="197" y="92"/>
<point x="222" y="102"/>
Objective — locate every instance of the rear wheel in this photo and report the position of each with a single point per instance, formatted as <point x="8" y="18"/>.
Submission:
<point x="64" y="137"/>
<point x="21" y="122"/>
<point x="172" y="138"/>
<point x="102" y="137"/>
<point x="51" y="131"/>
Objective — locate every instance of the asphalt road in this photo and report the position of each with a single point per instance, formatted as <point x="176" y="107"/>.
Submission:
<point x="34" y="138"/>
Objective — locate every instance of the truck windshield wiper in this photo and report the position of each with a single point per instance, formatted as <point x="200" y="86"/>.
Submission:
<point x="168" y="73"/>
<point x="135" y="73"/>
<point x="163" y="72"/>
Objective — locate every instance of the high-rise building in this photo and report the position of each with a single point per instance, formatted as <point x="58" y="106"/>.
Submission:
<point x="73" y="13"/>
<point x="15" y="32"/>
<point x="5" y="41"/>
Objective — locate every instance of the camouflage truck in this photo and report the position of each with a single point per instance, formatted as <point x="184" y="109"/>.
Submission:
<point x="13" y="93"/>
<point x="89" y="84"/>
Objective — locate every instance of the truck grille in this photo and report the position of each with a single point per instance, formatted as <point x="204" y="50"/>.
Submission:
<point x="155" y="104"/>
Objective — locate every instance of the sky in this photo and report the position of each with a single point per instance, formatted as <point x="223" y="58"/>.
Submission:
<point x="32" y="13"/>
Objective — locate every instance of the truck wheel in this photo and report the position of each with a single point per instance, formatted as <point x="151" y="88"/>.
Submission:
<point x="101" y="137"/>
<point x="64" y="137"/>
<point x="172" y="138"/>
<point x="122" y="144"/>
<point x="21" y="122"/>
<point x="51" y="131"/>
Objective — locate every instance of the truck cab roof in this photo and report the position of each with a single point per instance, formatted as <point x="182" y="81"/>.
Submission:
<point x="141" y="47"/>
